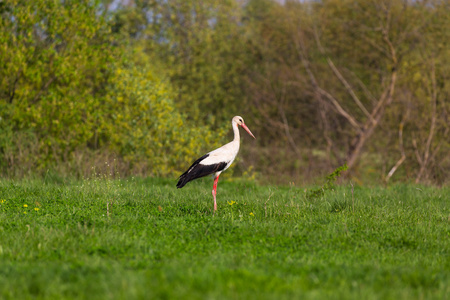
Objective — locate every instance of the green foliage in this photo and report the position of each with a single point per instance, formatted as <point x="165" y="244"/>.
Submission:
<point x="328" y="185"/>
<point x="202" y="47"/>
<point x="146" y="84"/>
<point x="145" y="128"/>
<point x="54" y="64"/>
<point x="133" y="239"/>
<point x="68" y="94"/>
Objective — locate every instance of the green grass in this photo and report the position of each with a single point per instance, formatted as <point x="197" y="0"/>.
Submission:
<point x="272" y="243"/>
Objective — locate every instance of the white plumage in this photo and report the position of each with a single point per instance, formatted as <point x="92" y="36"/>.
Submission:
<point x="216" y="161"/>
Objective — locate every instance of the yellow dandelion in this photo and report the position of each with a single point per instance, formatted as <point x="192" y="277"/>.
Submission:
<point x="231" y="203"/>
<point x="252" y="214"/>
<point x="36" y="208"/>
<point x="25" y="212"/>
<point x="25" y="205"/>
<point x="2" y="201"/>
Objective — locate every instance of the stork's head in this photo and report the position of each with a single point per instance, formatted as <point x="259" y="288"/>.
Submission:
<point x="240" y="121"/>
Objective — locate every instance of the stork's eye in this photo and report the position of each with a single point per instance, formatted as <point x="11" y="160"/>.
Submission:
<point x="240" y="120"/>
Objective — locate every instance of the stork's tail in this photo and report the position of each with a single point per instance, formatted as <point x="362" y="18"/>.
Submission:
<point x="198" y="170"/>
<point x="188" y="175"/>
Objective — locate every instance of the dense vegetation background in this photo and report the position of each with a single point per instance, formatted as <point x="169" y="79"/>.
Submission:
<point x="143" y="87"/>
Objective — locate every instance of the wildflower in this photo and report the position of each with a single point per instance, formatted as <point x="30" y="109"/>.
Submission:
<point x="252" y="214"/>
<point x="25" y="205"/>
<point x="2" y="201"/>
<point x="36" y="208"/>
<point x="231" y="203"/>
<point x="25" y="212"/>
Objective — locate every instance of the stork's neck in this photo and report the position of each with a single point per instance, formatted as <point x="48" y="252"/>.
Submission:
<point x="236" y="132"/>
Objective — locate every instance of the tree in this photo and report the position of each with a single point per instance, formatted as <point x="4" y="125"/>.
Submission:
<point x="54" y="63"/>
<point x="141" y="123"/>
<point x="200" y="45"/>
<point x="73" y="96"/>
<point x="337" y="74"/>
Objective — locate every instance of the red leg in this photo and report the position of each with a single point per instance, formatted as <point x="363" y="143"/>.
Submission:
<point x="214" y="191"/>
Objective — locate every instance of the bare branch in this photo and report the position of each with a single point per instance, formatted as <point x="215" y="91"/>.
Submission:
<point x="433" y="110"/>
<point x="416" y="149"/>
<point x="402" y="149"/>
<point x="376" y="46"/>
<point x="395" y="167"/>
<point x="366" y="91"/>
<point x="436" y="150"/>
<point x="287" y="129"/>
<point x="342" y="79"/>
<point x="339" y="108"/>
<point x="386" y="97"/>
<point x="301" y="52"/>
<point x="42" y="89"/>
<point x="433" y="98"/>
<point x="280" y="104"/>
<point x="349" y="89"/>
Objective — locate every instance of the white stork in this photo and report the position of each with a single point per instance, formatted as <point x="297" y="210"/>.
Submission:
<point x="217" y="161"/>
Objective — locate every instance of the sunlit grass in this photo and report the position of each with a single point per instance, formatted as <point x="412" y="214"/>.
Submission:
<point x="125" y="239"/>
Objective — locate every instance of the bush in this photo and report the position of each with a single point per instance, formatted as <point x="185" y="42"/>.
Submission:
<point x="69" y="101"/>
<point x="145" y="128"/>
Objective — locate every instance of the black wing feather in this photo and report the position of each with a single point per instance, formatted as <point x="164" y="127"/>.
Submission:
<point x="197" y="170"/>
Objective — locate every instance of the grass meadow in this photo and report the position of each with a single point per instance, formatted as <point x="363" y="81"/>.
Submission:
<point x="145" y="239"/>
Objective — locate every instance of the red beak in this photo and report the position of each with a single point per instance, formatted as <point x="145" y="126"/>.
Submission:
<point x="248" y="130"/>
